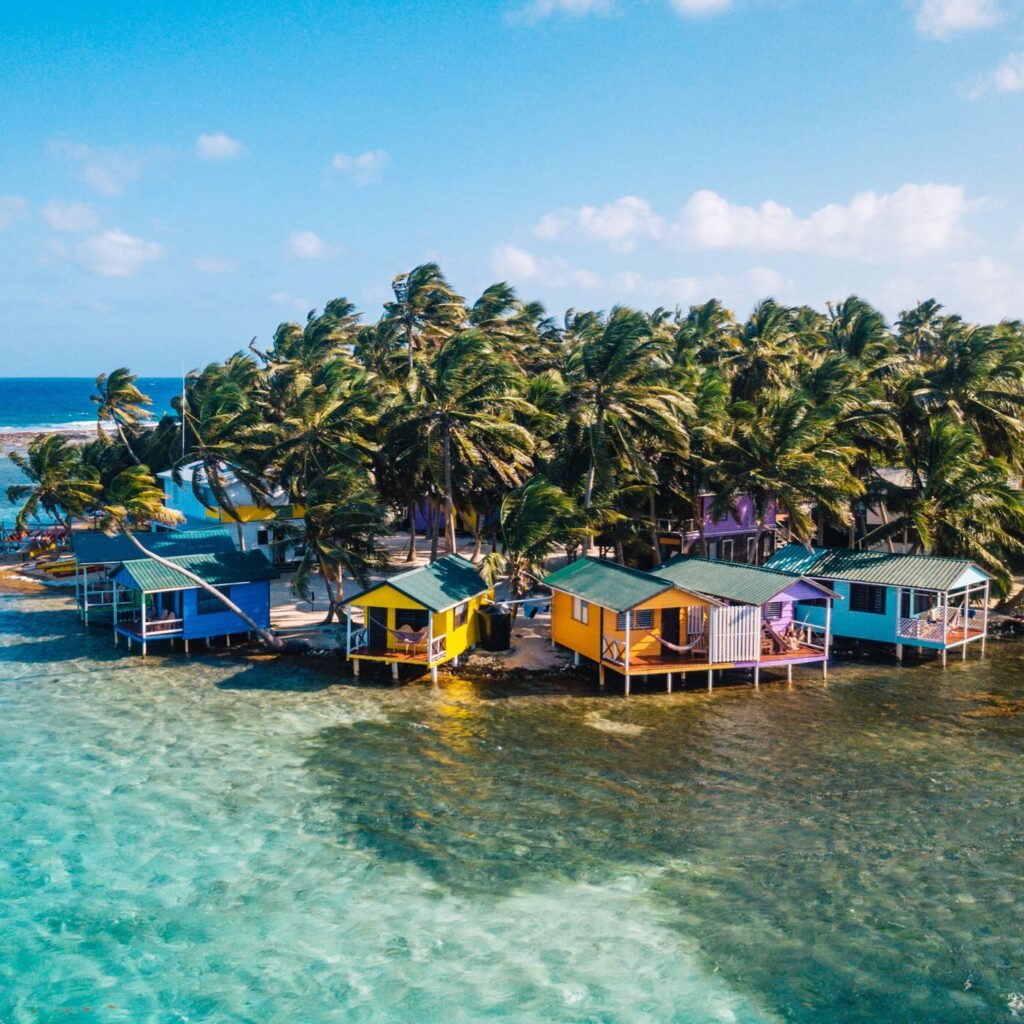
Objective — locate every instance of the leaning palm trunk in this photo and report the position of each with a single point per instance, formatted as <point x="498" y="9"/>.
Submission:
<point x="411" y="555"/>
<point x="449" y="503"/>
<point x="333" y="591"/>
<point x="269" y="638"/>
<point x="124" y="440"/>
<point x="655" y="536"/>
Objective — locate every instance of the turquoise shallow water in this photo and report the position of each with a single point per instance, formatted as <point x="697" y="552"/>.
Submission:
<point x="224" y="842"/>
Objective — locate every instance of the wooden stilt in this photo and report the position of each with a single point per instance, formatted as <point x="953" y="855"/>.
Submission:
<point x="355" y="668"/>
<point x="575" y="659"/>
<point x="433" y="673"/>
<point x="899" y="652"/>
<point x="943" y="657"/>
<point x="600" y="676"/>
<point x="789" y="674"/>
<point x="186" y="646"/>
<point x="711" y="680"/>
<point x="227" y="640"/>
<point x="394" y="671"/>
<point x="668" y="683"/>
<point x="757" y="677"/>
<point x="627" y="684"/>
<point x="824" y="670"/>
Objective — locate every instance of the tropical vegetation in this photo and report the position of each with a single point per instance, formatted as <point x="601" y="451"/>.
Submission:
<point x="533" y="433"/>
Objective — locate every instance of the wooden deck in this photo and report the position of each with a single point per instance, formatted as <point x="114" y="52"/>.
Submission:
<point x="640" y="664"/>
<point x="403" y="656"/>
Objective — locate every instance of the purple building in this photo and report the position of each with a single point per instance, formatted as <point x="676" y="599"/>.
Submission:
<point x="732" y="538"/>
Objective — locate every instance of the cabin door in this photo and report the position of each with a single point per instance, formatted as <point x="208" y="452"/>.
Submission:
<point x="377" y="619"/>
<point x="670" y="625"/>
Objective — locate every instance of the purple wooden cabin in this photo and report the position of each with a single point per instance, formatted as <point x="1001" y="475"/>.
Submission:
<point x="730" y="539"/>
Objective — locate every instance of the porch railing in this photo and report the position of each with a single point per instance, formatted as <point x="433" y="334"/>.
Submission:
<point x="613" y="649"/>
<point x="920" y="629"/>
<point x="810" y="635"/>
<point x="360" y="638"/>
<point x="157" y="626"/>
<point x="438" y="648"/>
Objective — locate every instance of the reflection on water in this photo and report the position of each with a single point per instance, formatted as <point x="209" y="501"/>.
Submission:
<point x="209" y="840"/>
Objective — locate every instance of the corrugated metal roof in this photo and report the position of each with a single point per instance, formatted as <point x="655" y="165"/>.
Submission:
<point x="218" y="569"/>
<point x="92" y="547"/>
<point x="607" y="584"/>
<point x="440" y="585"/>
<point x="924" y="572"/>
<point x="747" y="584"/>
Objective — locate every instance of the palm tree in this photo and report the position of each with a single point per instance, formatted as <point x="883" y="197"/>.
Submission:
<point x="615" y="393"/>
<point x="957" y="501"/>
<point x="426" y="307"/>
<point x="536" y="520"/>
<point x="341" y="529"/>
<point x="455" y="412"/>
<point x="61" y="485"/>
<point x="763" y="351"/>
<point x="133" y="497"/>
<point x="120" y="402"/>
<point x="787" y="454"/>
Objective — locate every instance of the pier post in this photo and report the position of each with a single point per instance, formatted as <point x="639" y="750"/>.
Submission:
<point x="668" y="684"/>
<point x="433" y="673"/>
<point x="824" y="670"/>
<point x="757" y="677"/>
<point x="789" y="674"/>
<point x="575" y="659"/>
<point x="943" y="657"/>
<point x="394" y="671"/>
<point x="627" y="684"/>
<point x="711" y="680"/>
<point x="355" y="668"/>
<point x="186" y="645"/>
<point x="600" y="676"/>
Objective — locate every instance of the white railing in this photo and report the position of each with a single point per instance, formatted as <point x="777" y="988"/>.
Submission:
<point x="613" y="649"/>
<point x="920" y="629"/>
<point x="810" y="635"/>
<point x="438" y="648"/>
<point x="155" y="627"/>
<point x="360" y="638"/>
<point x="98" y="597"/>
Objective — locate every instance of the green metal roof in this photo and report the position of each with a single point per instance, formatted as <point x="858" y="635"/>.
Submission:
<point x="217" y="568"/>
<point x="607" y="584"/>
<point x="440" y="585"/>
<point x="92" y="547"/>
<point x="747" y="584"/>
<point x="923" y="572"/>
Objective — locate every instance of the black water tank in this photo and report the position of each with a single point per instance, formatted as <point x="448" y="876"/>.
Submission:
<point x="495" y="628"/>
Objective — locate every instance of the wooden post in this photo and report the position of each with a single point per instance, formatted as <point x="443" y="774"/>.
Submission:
<point x="355" y="668"/>
<point x="668" y="685"/>
<point x="143" y="623"/>
<point x="394" y="671"/>
<point x="711" y="679"/>
<point x="899" y="652"/>
<point x="757" y="677"/>
<point x="789" y="674"/>
<point x="943" y="657"/>
<point x="575" y="659"/>
<point x="115" y="613"/>
<point x="963" y="622"/>
<point x="186" y="645"/>
<point x="348" y="636"/>
<point x="984" y="620"/>
<point x="433" y="673"/>
<point x="600" y="675"/>
<point x="828" y="627"/>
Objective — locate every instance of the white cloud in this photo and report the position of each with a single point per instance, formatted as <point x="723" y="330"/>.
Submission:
<point x="701" y="8"/>
<point x="986" y="289"/>
<point x="214" y="265"/>
<point x="70" y="216"/>
<point x="943" y="18"/>
<point x="308" y="245"/>
<point x="218" y="146"/>
<point x="518" y="265"/>
<point x="116" y="254"/>
<point x="364" y="168"/>
<point x="912" y="221"/>
<point x="683" y="290"/>
<point x="537" y="10"/>
<point x="291" y="301"/>
<point x="619" y="224"/>
<point x="1007" y="77"/>
<point x="108" y="169"/>
<point x="12" y="208"/>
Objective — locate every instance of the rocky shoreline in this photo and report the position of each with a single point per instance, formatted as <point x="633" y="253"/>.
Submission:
<point x="19" y="439"/>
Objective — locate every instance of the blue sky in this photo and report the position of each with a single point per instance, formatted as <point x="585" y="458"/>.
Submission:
<point x="173" y="182"/>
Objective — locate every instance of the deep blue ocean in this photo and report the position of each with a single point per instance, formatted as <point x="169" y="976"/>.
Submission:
<point x="28" y="403"/>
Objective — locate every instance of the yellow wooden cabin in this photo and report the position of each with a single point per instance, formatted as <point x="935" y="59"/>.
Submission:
<point x="630" y="621"/>
<point x="426" y="616"/>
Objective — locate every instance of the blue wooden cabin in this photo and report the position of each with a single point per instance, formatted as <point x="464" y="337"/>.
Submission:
<point x="96" y="553"/>
<point x="154" y="602"/>
<point x="918" y="601"/>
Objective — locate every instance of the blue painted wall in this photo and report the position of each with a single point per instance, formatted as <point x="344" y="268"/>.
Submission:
<point x="252" y="598"/>
<point x="856" y="625"/>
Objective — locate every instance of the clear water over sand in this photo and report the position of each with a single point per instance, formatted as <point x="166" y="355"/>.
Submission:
<point x="222" y="842"/>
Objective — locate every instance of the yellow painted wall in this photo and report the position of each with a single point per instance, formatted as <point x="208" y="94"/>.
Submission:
<point x="586" y="639"/>
<point x="253" y="513"/>
<point x="386" y="600"/>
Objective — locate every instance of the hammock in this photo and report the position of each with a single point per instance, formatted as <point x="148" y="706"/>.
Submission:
<point x="407" y="636"/>
<point x="678" y="648"/>
<point x="780" y="642"/>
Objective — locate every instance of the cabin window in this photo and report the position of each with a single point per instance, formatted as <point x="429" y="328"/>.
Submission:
<point x="866" y="598"/>
<point x="580" y="610"/>
<point x="207" y="604"/>
<point x="461" y="615"/>
<point x="773" y="610"/>
<point x="262" y="536"/>
<point x="643" y="619"/>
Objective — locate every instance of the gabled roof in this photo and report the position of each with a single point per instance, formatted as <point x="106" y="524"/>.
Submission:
<point x="608" y="584"/>
<point x="218" y="569"/>
<point x="746" y="584"/>
<point x="91" y="547"/>
<point x="924" y="572"/>
<point x="442" y="584"/>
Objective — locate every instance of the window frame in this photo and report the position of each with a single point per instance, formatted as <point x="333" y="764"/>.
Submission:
<point x="580" y="610"/>
<point x="862" y="598"/>
<point x="460" y="615"/>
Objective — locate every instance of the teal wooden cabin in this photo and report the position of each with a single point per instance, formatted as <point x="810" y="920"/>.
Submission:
<point x="917" y="601"/>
